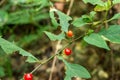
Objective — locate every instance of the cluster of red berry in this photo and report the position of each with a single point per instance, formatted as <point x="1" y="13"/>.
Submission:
<point x="67" y="52"/>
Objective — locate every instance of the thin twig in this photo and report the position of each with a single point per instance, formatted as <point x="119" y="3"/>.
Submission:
<point x="43" y="63"/>
<point x="111" y="52"/>
<point x="70" y="7"/>
<point x="112" y="65"/>
<point x="57" y="53"/>
<point x="55" y="58"/>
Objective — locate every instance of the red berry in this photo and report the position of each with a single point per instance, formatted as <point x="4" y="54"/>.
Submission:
<point x="28" y="76"/>
<point x="70" y="33"/>
<point x="67" y="51"/>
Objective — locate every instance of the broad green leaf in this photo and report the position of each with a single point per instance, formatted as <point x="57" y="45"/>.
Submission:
<point x="64" y="20"/>
<point x="79" y="22"/>
<point x="10" y="48"/>
<point x="94" y="2"/>
<point x="53" y="19"/>
<point x="74" y="70"/>
<point x="96" y="40"/>
<point x="116" y="1"/>
<point x="3" y="17"/>
<point x="85" y="19"/>
<point x="116" y="16"/>
<point x="111" y="34"/>
<point x="54" y="37"/>
<point x="2" y="72"/>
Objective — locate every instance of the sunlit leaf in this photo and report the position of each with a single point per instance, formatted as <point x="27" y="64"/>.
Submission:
<point x="106" y="6"/>
<point x="116" y="1"/>
<point x="94" y="2"/>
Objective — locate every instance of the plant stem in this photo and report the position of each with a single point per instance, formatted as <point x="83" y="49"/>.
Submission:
<point x="111" y="52"/>
<point x="42" y="63"/>
<point x="106" y="23"/>
<point x="70" y="7"/>
<point x="112" y="65"/>
<point x="57" y="53"/>
<point x="54" y="61"/>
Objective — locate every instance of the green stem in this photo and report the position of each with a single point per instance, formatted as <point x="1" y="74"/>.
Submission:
<point x="48" y="59"/>
<point x="106" y="23"/>
<point x="59" y="51"/>
<point x="43" y="63"/>
<point x="55" y="54"/>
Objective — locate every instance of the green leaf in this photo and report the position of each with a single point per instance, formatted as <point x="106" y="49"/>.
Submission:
<point x="9" y="48"/>
<point x="106" y="6"/>
<point x="92" y="14"/>
<point x="116" y="1"/>
<point x="3" y="17"/>
<point x="54" y="37"/>
<point x="64" y="20"/>
<point x="53" y="19"/>
<point x="111" y="34"/>
<point x="116" y="16"/>
<point x="31" y="60"/>
<point x="85" y="19"/>
<point x="2" y="72"/>
<point x="74" y="70"/>
<point x="94" y="2"/>
<point x="79" y="22"/>
<point x="96" y="40"/>
<point x="44" y="3"/>
<point x="99" y="8"/>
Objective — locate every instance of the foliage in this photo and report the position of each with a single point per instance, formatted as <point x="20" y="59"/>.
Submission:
<point x="97" y="40"/>
<point x="74" y="70"/>
<point x="31" y="12"/>
<point x="10" y="48"/>
<point x="111" y="34"/>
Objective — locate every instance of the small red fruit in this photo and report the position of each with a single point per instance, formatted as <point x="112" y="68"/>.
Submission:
<point x="70" y="33"/>
<point x="67" y="51"/>
<point x="28" y="76"/>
